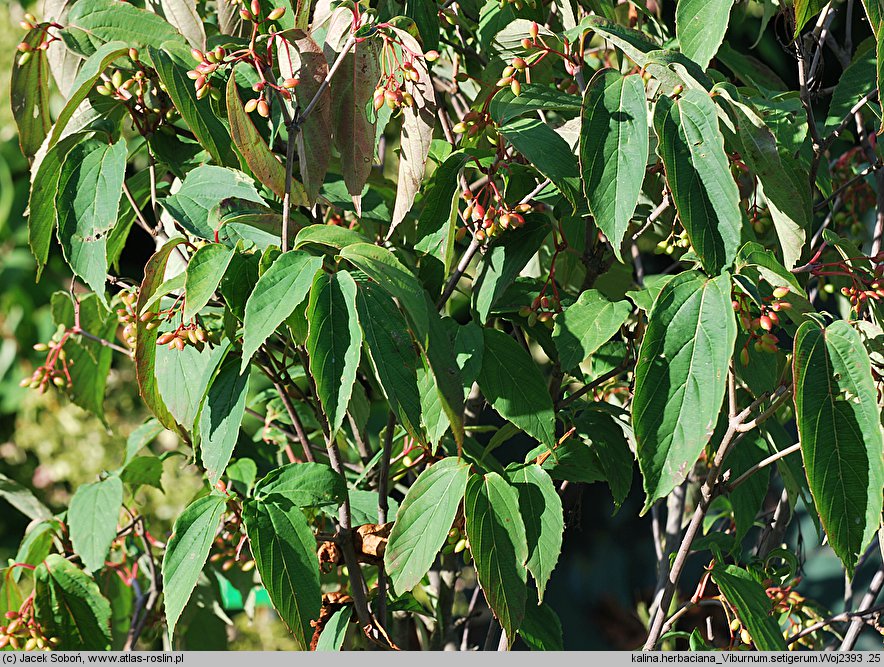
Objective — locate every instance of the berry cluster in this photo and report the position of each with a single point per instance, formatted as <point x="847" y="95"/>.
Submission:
<point x="26" y="51"/>
<point x="473" y="123"/>
<point x="672" y="242"/>
<point x="760" y="322"/>
<point x="457" y="541"/>
<point x="184" y="335"/>
<point x="128" y="317"/>
<point x="23" y="633"/>
<point x="55" y="371"/>
<point x="543" y="309"/>
<point x="497" y="217"/>
<point x="517" y="67"/>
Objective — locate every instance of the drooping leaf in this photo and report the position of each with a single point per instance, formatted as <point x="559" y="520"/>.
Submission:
<point x="499" y="546"/>
<point x="22" y="499"/>
<point x="143" y="471"/>
<point x="88" y="198"/>
<point x="854" y="83"/>
<point x="613" y="150"/>
<point x="680" y="377"/>
<point x="514" y="386"/>
<point x="333" y="343"/>
<point x="204" y="273"/>
<point x="698" y="173"/>
<point x="221" y="417"/>
<point x="285" y="552"/>
<point x="186" y="553"/>
<point x="92" y="520"/>
<point x="532" y="97"/>
<point x="840" y="434"/>
<point x="183" y="377"/>
<point x="610" y="447"/>
<point x="541" y="628"/>
<point x="754" y="608"/>
<point x="29" y="92"/>
<point x="700" y="26"/>
<point x="586" y="325"/>
<point x="69" y="605"/>
<point x="423" y="522"/>
<point x="280" y="290"/>
<point x="541" y="511"/>
<point x="305" y="484"/>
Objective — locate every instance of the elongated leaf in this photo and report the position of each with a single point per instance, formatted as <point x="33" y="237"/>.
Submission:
<point x="423" y="522"/>
<point x="280" y="290"/>
<point x="541" y="511"/>
<point x="305" y="484"/>
<point x="499" y="547"/>
<point x="532" y="97"/>
<point x="186" y="553"/>
<point x="392" y="354"/>
<point x="22" y="499"/>
<point x="204" y="273"/>
<point x="840" y="434"/>
<point x="333" y="343"/>
<point x="586" y="325"/>
<point x="285" y="552"/>
<point x="301" y="58"/>
<point x="614" y="150"/>
<point x="183" y="377"/>
<point x="605" y="436"/>
<point x="680" y="377"/>
<point x="541" y="629"/>
<point x="805" y="10"/>
<point x="513" y="385"/>
<point x="266" y="168"/>
<point x="699" y="177"/>
<point x="89" y="190"/>
<point x="700" y="26"/>
<point x="69" y="605"/>
<point x="335" y="630"/>
<point x="221" y="417"/>
<point x="92" y="520"/>
<point x="29" y="91"/>
<point x="418" y="121"/>
<point x="854" y="83"/>
<point x="198" y="114"/>
<point x="91" y="23"/>
<point x="752" y="605"/>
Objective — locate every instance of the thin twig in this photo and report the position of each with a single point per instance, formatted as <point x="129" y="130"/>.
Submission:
<point x="656" y="213"/>
<point x="139" y="216"/>
<point x="856" y="625"/>
<point x="773" y="458"/>
<point x="871" y="96"/>
<point x="600" y="380"/>
<point x="837" y="618"/>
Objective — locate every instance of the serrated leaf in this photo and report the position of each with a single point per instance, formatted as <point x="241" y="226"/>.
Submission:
<point x="614" y="150"/>
<point x="854" y="83"/>
<point x="541" y="629"/>
<point x="280" y="290"/>
<point x="586" y="325"/>
<point x="305" y="484"/>
<point x="499" y="547"/>
<point x="204" y="273"/>
<point x="98" y="21"/>
<point x="92" y="520"/>
<point x="700" y="26"/>
<point x="515" y="388"/>
<point x="840" y="434"/>
<point x="541" y="511"/>
<point x="423" y="522"/>
<point x="186" y="553"/>
<point x="29" y="93"/>
<point x="754" y="608"/>
<point x="220" y="418"/>
<point x="285" y="552"/>
<point x="699" y="177"/>
<point x="610" y="447"/>
<point x="69" y="605"/>
<point x="333" y="343"/>
<point x="680" y="377"/>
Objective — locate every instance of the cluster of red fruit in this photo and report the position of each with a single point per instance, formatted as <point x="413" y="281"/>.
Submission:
<point x="494" y="219"/>
<point x="29" y="22"/>
<point x="858" y="295"/>
<point x="23" y="633"/>
<point x="473" y="122"/>
<point x="184" y="335"/>
<point x="128" y="317"/>
<point x="759" y="326"/>
<point x="391" y="92"/>
<point x="543" y="309"/>
<point x="54" y="371"/>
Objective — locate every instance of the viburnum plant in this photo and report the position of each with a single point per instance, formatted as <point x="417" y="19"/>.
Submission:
<point x="396" y="242"/>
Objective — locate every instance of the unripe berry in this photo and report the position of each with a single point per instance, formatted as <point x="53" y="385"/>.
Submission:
<point x="519" y="63"/>
<point x="251" y="105"/>
<point x="245" y="15"/>
<point x="516" y="87"/>
<point x="780" y="292"/>
<point x="197" y="55"/>
<point x="263" y="109"/>
<point x="534" y="30"/>
<point x="256" y="7"/>
<point x="290" y="83"/>
<point x="431" y="56"/>
<point x="276" y="14"/>
<point x="527" y="43"/>
<point x="765" y="322"/>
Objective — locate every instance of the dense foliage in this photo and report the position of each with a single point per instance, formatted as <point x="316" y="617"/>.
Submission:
<point x="390" y="244"/>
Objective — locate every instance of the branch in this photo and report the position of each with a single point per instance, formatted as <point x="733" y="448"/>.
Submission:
<point x="865" y="606"/>
<point x="865" y="172"/>
<point x="763" y="464"/>
<point x="325" y="83"/>
<point x="383" y="509"/>
<point x="600" y="380"/>
<point x="837" y="618"/>
<point x="871" y="96"/>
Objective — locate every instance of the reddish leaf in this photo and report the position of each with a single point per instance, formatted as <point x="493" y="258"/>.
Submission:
<point x="30" y="94"/>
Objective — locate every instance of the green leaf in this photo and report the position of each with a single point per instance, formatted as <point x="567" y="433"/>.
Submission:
<point x="335" y="630"/>
<point x="332" y="237"/>
<point x="541" y="511"/>
<point x="753" y="607"/>
<point x="36" y="545"/>
<point x="423" y="522"/>
<point x="875" y="14"/>
<point x="700" y="26"/>
<point x="90" y="71"/>
<point x="69" y="605"/>
<point x="186" y="553"/>
<point x="305" y="484"/>
<point x="840" y="434"/>
<point x="143" y="471"/>
<point x="285" y="552"/>
<point x="22" y="499"/>
<point x="699" y="177"/>
<point x="610" y="446"/>
<point x="805" y="10"/>
<point x="202" y="190"/>
<point x="183" y="377"/>
<point x="541" y="629"/>
<point x="204" y="273"/>
<point x="854" y="83"/>
<point x="532" y="97"/>
<point x="97" y="21"/>
<point x="88" y="198"/>
<point x="586" y="325"/>
<point x="383" y="267"/>
<point x="499" y="547"/>
<point x="548" y="152"/>
<point x="221" y="417"/>
<point x="333" y="343"/>
<point x="515" y="388"/>
<point x="29" y="91"/>
<point x="391" y="351"/>
<point x="92" y="520"/>
<point x="280" y="290"/>
<point x="182" y="14"/>
<point x="746" y="499"/>
<point x="198" y="114"/>
<point x="680" y="377"/>
<point x="614" y="150"/>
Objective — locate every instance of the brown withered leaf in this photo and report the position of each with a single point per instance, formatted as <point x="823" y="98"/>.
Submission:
<point x="331" y="602"/>
<point x="329" y="554"/>
<point x="370" y="541"/>
<point x="300" y="57"/>
<point x="418" y="122"/>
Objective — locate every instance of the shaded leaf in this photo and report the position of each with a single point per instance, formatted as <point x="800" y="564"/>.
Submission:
<point x="586" y="325"/>
<point x="752" y="605"/>
<point x="220" y="418"/>
<point x="305" y="484"/>
<point x="92" y="520"/>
